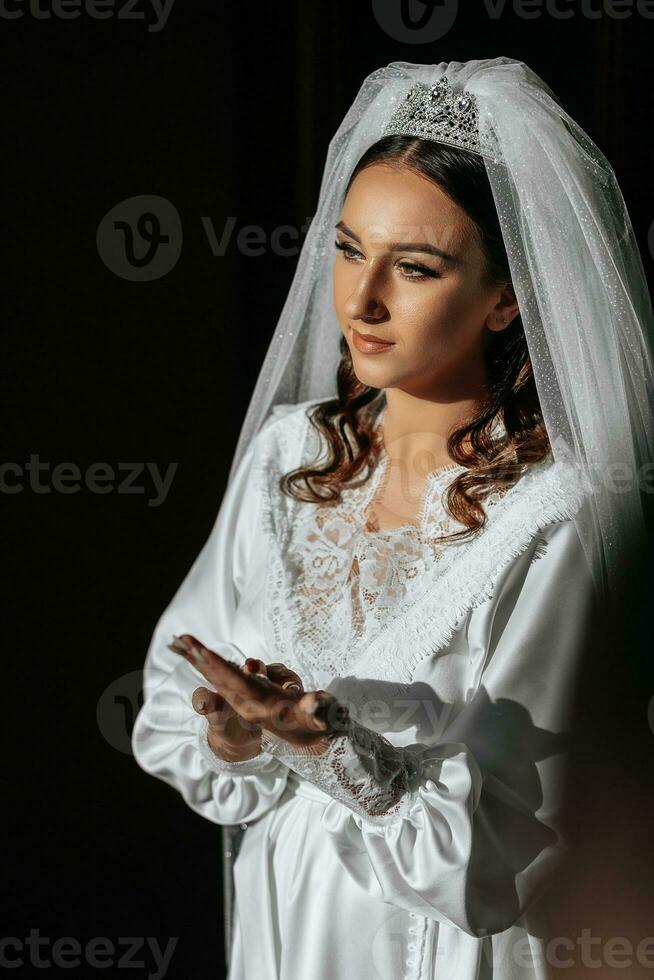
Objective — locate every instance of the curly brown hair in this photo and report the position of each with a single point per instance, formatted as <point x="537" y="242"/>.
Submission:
<point x="347" y="421"/>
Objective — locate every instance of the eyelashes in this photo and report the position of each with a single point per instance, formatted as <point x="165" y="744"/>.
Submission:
<point x="422" y="272"/>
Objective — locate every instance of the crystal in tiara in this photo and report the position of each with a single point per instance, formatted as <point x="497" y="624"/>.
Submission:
<point x="438" y="113"/>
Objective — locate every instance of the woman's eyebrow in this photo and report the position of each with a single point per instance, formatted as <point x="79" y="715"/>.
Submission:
<point x="405" y="246"/>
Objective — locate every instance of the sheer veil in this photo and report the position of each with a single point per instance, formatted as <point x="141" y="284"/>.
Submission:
<point x="577" y="273"/>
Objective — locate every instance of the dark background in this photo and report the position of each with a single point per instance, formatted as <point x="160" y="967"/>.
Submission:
<point x="226" y="111"/>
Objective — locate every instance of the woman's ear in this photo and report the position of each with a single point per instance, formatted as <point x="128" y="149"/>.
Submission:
<point x="504" y="310"/>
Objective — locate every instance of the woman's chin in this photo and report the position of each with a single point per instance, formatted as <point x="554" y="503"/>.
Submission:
<point x="375" y="379"/>
<point x="374" y="374"/>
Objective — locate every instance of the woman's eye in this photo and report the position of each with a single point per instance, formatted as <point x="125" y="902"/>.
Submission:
<point x="412" y="271"/>
<point x="349" y="251"/>
<point x="409" y="270"/>
<point x="417" y="271"/>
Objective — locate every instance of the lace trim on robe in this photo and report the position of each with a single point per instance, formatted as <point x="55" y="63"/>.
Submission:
<point x="360" y="769"/>
<point x="340" y="595"/>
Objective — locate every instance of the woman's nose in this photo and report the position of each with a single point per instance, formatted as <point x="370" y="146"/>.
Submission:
<point x="365" y="301"/>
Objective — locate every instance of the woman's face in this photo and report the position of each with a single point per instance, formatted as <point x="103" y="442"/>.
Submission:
<point x="409" y="272"/>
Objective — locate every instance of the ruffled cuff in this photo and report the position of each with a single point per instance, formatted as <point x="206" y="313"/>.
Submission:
<point x="263" y="762"/>
<point x="359" y="768"/>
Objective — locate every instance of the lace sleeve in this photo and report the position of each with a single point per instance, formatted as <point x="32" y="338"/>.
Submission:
<point x="359" y="768"/>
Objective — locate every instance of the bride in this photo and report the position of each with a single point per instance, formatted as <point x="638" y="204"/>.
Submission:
<point x="370" y="667"/>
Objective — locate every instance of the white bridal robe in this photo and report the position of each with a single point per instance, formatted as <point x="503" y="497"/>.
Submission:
<point x="420" y="843"/>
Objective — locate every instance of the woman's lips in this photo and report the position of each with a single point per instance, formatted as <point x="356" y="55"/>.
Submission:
<point x="369" y="346"/>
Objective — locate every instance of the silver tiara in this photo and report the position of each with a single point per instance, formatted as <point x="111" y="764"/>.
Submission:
<point x="436" y="112"/>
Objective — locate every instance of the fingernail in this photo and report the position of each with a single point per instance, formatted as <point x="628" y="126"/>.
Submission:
<point x="178" y="645"/>
<point x="197" y="655"/>
<point x="292" y="686"/>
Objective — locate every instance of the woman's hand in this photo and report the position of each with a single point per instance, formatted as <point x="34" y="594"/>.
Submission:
<point x="228" y="736"/>
<point x="274" y="701"/>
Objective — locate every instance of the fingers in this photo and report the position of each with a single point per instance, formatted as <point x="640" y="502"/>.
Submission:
<point x="307" y="719"/>
<point x="286" y="678"/>
<point x="205" y="701"/>
<point x="217" y="670"/>
<point x="196" y="653"/>
<point x="213" y="707"/>
<point x="271" y="696"/>
<point x="254" y="667"/>
<point x="324" y="711"/>
<point x="278" y="673"/>
<point x="187" y="646"/>
<point x="235" y="685"/>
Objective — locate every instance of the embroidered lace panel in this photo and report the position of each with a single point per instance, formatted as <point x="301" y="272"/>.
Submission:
<point x="360" y="769"/>
<point x="339" y="591"/>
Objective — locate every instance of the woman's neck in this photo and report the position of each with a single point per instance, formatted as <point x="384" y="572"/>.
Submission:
<point x="415" y="430"/>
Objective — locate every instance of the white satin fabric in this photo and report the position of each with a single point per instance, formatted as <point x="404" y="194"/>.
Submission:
<point x="446" y="885"/>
